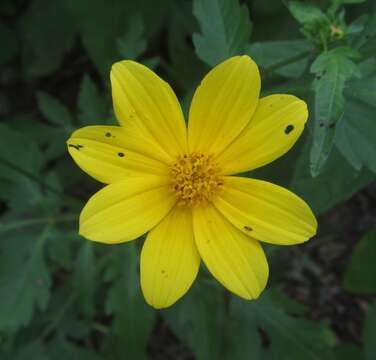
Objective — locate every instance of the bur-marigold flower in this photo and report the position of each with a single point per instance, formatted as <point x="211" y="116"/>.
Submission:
<point x="176" y="181"/>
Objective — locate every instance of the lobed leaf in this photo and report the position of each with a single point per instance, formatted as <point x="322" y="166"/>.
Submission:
<point x="332" y="69"/>
<point x="225" y="29"/>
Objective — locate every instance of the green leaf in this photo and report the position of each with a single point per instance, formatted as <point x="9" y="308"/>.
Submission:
<point x="225" y="29"/>
<point x="305" y="12"/>
<point x="348" y="352"/>
<point x="84" y="282"/>
<point x="356" y="134"/>
<point x="332" y="69"/>
<point x="197" y="319"/>
<point x="34" y="350"/>
<point x="55" y="111"/>
<point x="181" y="27"/>
<point x="48" y="33"/>
<point x="336" y="183"/>
<point x="132" y="44"/>
<point x="360" y="273"/>
<point x="242" y="336"/>
<point x="62" y="349"/>
<point x="24" y="279"/>
<point x="290" y="337"/>
<point x="100" y="37"/>
<point x="20" y="165"/>
<point x="262" y="330"/>
<point x="133" y="318"/>
<point x="369" y="331"/>
<point x="92" y="107"/>
<point x="273" y="54"/>
<point x="365" y="42"/>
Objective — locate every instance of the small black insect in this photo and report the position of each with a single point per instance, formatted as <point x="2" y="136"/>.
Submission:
<point x="108" y="134"/>
<point x="248" y="228"/>
<point x="77" y="147"/>
<point x="288" y="129"/>
<point x="120" y="154"/>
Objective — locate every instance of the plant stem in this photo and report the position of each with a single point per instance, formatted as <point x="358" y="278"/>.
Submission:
<point x="42" y="220"/>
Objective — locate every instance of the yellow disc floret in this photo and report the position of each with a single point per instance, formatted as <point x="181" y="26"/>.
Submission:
<point x="195" y="179"/>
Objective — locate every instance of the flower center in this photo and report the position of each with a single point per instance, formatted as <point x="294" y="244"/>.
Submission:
<point x="195" y="179"/>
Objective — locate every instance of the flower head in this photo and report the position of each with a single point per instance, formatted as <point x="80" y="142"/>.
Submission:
<point x="177" y="184"/>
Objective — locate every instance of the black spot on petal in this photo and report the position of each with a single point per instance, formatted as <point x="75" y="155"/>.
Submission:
<point x="248" y="228"/>
<point x="120" y="154"/>
<point x="288" y="129"/>
<point x="108" y="134"/>
<point x="76" y="146"/>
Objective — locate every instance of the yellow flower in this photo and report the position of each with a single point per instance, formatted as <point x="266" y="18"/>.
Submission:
<point x="174" y="181"/>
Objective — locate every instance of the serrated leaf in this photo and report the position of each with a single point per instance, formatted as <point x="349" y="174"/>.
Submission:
<point x="20" y="165"/>
<point x="306" y="13"/>
<point x="369" y="331"/>
<point x="59" y="248"/>
<point x="181" y="26"/>
<point x="332" y="69"/>
<point x="365" y="42"/>
<point x="54" y="111"/>
<point x="62" y="349"/>
<point x="269" y="54"/>
<point x="92" y="106"/>
<point x="197" y="319"/>
<point x="336" y="183"/>
<point x="84" y="282"/>
<point x="359" y="276"/>
<point x="290" y="337"/>
<point x="225" y="29"/>
<point x="48" y="33"/>
<point x="132" y="44"/>
<point x="133" y="318"/>
<point x="243" y="339"/>
<point x="356" y="135"/>
<point x="24" y="279"/>
<point x="100" y="37"/>
<point x="262" y="330"/>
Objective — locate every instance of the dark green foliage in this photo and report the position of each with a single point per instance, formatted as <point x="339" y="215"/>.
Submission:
<point x="359" y="277"/>
<point x="62" y="297"/>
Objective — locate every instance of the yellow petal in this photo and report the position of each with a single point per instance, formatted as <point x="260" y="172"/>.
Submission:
<point x="125" y="210"/>
<point x="148" y="105"/>
<point x="103" y="153"/>
<point x="273" y="130"/>
<point x="265" y="211"/>
<point x="169" y="259"/>
<point x="223" y="104"/>
<point x="237" y="261"/>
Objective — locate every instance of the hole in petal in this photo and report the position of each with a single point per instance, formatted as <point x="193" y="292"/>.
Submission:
<point x="288" y="129"/>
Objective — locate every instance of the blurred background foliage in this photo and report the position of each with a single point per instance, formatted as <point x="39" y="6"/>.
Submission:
<point x="62" y="297"/>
